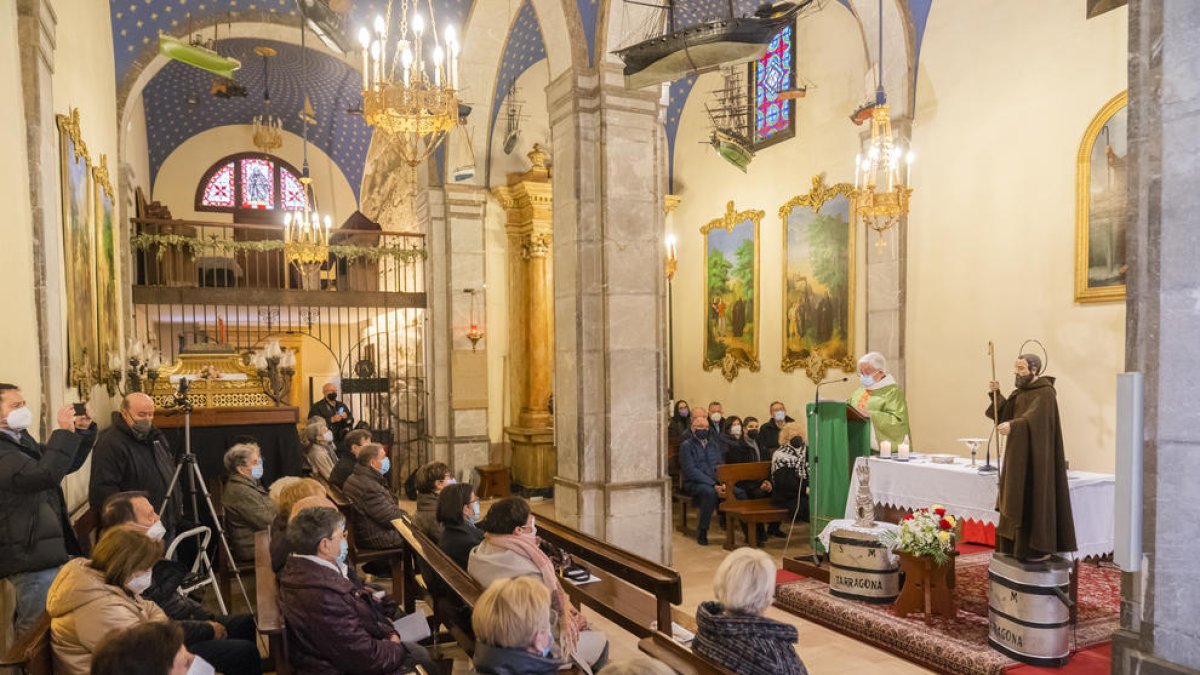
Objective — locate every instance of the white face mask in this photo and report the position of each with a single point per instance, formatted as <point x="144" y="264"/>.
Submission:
<point x="157" y="531"/>
<point x="138" y="583"/>
<point x="328" y="437"/>
<point x="780" y="415"/>
<point x="735" y="430"/>
<point x="201" y="667"/>
<point x="20" y="419"/>
<point x="715" y="417"/>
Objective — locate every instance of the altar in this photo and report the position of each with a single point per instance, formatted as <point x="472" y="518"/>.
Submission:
<point x="971" y="497"/>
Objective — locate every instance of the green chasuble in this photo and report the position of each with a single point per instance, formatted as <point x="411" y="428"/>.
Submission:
<point x="888" y="410"/>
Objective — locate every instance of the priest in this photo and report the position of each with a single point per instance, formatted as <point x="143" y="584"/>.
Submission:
<point x="882" y="399"/>
<point x="1034" y="500"/>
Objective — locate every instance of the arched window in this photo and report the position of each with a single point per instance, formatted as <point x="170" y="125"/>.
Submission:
<point x="251" y="183"/>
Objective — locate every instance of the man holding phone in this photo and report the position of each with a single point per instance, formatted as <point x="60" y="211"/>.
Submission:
<point x="336" y="413"/>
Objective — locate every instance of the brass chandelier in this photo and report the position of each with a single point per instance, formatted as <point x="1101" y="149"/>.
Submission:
<point x="412" y="99"/>
<point x="268" y="129"/>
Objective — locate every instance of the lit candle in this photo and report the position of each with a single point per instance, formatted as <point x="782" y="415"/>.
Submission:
<point x="904" y="448"/>
<point x="885" y="449"/>
<point x="454" y="65"/>
<point x="406" y="60"/>
<point x="287" y="227"/>
<point x="437" y="66"/>
<point x="328" y="223"/>
<point x="364" y="39"/>
<point x="908" y="160"/>
<point x="857" y="169"/>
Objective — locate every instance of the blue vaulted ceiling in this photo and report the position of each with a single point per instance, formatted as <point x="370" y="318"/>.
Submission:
<point x="523" y="48"/>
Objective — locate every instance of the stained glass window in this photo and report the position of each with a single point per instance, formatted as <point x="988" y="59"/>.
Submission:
<point x="258" y="184"/>
<point x="291" y="191"/>
<point x="771" y="74"/>
<point x="219" y="190"/>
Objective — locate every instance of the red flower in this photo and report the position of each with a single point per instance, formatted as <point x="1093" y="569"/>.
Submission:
<point x="908" y="517"/>
<point x="944" y="524"/>
<point x="940" y="512"/>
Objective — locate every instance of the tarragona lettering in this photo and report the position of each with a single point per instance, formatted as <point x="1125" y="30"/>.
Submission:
<point x="1002" y="634"/>
<point x="854" y="582"/>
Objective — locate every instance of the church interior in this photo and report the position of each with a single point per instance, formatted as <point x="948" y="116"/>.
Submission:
<point x="939" y="253"/>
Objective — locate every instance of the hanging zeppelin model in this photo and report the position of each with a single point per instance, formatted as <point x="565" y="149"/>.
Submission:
<point x="705" y="45"/>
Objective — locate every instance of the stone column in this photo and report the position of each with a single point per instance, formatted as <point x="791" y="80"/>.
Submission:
<point x="609" y="309"/>
<point x="527" y="203"/>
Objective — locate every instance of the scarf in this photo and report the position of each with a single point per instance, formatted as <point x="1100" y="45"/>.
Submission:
<point x="571" y="621"/>
<point x="795" y="459"/>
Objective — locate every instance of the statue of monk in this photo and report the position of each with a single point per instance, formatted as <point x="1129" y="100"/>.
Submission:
<point x="1034" y="501"/>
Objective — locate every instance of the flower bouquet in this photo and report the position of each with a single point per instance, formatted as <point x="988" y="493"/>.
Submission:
<point x="924" y="532"/>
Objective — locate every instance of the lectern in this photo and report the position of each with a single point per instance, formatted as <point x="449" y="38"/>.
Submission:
<point x="837" y="436"/>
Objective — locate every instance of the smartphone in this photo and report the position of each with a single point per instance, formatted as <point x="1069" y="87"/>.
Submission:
<point x="80" y="409"/>
<point x="342" y="409"/>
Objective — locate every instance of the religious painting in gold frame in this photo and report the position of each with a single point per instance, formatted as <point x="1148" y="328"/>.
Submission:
<point x="731" y="296"/>
<point x="108" y="320"/>
<point x="818" y="280"/>
<point x="78" y="263"/>
<point x="1100" y="199"/>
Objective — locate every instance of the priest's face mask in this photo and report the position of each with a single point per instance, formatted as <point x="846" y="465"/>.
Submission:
<point x="1022" y="373"/>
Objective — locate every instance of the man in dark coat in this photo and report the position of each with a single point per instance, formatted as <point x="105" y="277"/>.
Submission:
<point x="36" y="537"/>
<point x="375" y="507"/>
<point x="336" y="413"/>
<point x="768" y="435"/>
<point x="333" y="626"/>
<point x="132" y="455"/>
<point x="1034" y="500"/>
<point x="354" y="443"/>
<point x="699" y="456"/>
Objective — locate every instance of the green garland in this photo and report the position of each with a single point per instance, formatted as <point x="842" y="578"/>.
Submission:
<point x="214" y="244"/>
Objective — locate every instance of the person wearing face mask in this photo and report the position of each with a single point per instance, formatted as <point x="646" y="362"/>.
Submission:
<point x="225" y="641"/>
<point x="91" y="598"/>
<point x="31" y="475"/>
<point x="133" y="455"/>
<point x="512" y="623"/>
<point x="716" y="418"/>
<point x="336" y="413"/>
<point x="247" y="504"/>
<point x="698" y="459"/>
<point x="458" y="513"/>
<point x="430" y="481"/>
<point x="789" y="471"/>
<point x="333" y="625"/>
<point x="375" y="507"/>
<point x="881" y="399"/>
<point x="768" y="435"/>
<point x="354" y="442"/>
<point x="319" y="451"/>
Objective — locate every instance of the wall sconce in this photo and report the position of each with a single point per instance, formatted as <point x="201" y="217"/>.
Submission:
<point x="672" y="257"/>
<point x="475" y="334"/>
<point x="130" y="375"/>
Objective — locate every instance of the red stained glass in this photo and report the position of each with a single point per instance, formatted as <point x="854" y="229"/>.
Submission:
<point x="258" y="184"/>
<point x="773" y="74"/>
<point x="291" y="191"/>
<point x="219" y="191"/>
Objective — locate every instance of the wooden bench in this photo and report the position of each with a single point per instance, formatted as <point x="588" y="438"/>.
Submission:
<point x="748" y="512"/>
<point x="679" y="658"/>
<point x="360" y="556"/>
<point x="450" y="588"/>
<point x="633" y="592"/>
<point x="682" y="500"/>
<point x="270" y="619"/>
<point x="32" y="654"/>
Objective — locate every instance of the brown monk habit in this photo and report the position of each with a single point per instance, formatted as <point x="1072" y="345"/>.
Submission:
<point x="1034" y="501"/>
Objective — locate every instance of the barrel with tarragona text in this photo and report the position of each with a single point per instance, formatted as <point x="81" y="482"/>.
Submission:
<point x="861" y="568"/>
<point x="1029" y="609"/>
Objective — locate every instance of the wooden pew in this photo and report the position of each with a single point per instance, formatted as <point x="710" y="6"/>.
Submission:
<point x="270" y="619"/>
<point x="633" y="592"/>
<point x="32" y="654"/>
<point x="748" y="512"/>
<point x="359" y="556"/>
<point x="449" y="586"/>
<point x="679" y="658"/>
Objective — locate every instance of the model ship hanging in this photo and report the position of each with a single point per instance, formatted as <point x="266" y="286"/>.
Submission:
<point x="696" y="48"/>
<point x="729" y="114"/>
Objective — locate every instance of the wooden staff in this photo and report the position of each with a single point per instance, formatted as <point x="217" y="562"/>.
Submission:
<point x="987" y="463"/>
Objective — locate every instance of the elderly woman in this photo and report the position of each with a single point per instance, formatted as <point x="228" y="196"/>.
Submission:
<point x="789" y="470"/>
<point x="732" y="630"/>
<point x="457" y="513"/>
<point x="319" y="451"/>
<point x="512" y="629"/>
<point x="431" y="478"/>
<point x="246" y="503"/>
<point x="288" y="497"/>
<point x="882" y="399"/>
<point x="510" y="549"/>
<point x="91" y="598"/>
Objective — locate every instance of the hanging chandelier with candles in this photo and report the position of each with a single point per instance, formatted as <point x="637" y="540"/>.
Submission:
<point x="881" y="178"/>
<point x="305" y="241"/>
<point x="268" y="129"/>
<point x="412" y="98"/>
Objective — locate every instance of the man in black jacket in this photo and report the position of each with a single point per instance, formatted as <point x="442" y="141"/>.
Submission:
<point x="355" y="441"/>
<point x="228" y="641"/>
<point x="336" y="413"/>
<point x="133" y="455"/>
<point x="768" y="435"/>
<point x="36" y="537"/>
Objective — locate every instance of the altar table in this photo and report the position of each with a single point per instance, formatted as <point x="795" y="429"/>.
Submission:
<point x="969" y="496"/>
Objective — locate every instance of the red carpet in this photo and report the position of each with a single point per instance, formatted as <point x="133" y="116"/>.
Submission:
<point x="1091" y="661"/>
<point x="783" y="576"/>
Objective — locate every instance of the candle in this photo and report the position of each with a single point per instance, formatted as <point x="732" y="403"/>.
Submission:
<point x="904" y="448"/>
<point x="364" y="39"/>
<point x="437" y="66"/>
<point x="328" y="222"/>
<point x="114" y="361"/>
<point x="406" y="60"/>
<point x="885" y="449"/>
<point x="857" y="170"/>
<point x="376" y="69"/>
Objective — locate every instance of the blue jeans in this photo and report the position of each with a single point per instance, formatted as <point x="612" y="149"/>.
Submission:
<point x="705" y="496"/>
<point x="31" y="589"/>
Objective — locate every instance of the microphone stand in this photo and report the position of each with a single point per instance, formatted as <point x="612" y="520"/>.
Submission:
<point x="812" y="478"/>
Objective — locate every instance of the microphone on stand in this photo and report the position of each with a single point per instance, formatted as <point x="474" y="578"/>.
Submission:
<point x="817" y="395"/>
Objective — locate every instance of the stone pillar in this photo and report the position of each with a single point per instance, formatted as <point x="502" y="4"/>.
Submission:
<point x="1160" y="604"/>
<point x="527" y="203"/>
<point x="609" y="309"/>
<point x="887" y="256"/>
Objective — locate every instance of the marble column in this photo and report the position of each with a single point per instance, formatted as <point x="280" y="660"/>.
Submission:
<point x="527" y="203"/>
<point x="609" y="310"/>
<point x="1160" y="603"/>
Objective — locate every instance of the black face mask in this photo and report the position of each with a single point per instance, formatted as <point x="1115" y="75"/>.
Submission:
<point x="752" y="434"/>
<point x="331" y="396"/>
<point x="702" y="434"/>
<point x="796" y="442"/>
<point x="1023" y="381"/>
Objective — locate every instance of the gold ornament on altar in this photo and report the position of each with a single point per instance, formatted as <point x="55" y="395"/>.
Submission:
<point x="413" y="101"/>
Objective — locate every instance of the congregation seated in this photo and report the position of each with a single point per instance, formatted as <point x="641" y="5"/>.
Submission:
<point x="332" y="624"/>
<point x="354" y="442"/>
<point x="457" y="513"/>
<point x="154" y="648"/>
<point x="246" y="503"/>
<point x="698" y="459"/>
<point x="295" y="491"/>
<point x="91" y="598"/>
<point x="431" y="478"/>
<point x="732" y="630"/>
<point x="513" y="631"/>
<point x="225" y="641"/>
<point x="375" y="507"/>
<point x="789" y="470"/>
<point x="319" y="451"/>
<point x="740" y="449"/>
<point x="679" y="426"/>
<point x="278" y="486"/>
<point x="770" y="436"/>
<point x="717" y="423"/>
<point x="510" y="548"/>
<point x="744" y="448"/>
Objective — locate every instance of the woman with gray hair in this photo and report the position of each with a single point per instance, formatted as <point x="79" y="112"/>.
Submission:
<point x="882" y="400"/>
<point x="732" y="630"/>
<point x="246" y="503"/>
<point x="319" y="451"/>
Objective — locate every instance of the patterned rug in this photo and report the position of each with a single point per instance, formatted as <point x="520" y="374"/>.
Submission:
<point x="957" y="646"/>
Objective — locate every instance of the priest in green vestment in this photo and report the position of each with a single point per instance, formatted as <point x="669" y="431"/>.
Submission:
<point x="882" y="399"/>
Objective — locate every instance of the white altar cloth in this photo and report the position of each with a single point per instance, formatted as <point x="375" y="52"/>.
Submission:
<point x="965" y="493"/>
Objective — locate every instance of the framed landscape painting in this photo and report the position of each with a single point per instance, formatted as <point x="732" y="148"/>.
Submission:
<point x="1100" y="200"/>
<point x="818" y="280"/>
<point x="76" y="178"/>
<point x="731" y="291"/>
<point x="108" y="326"/>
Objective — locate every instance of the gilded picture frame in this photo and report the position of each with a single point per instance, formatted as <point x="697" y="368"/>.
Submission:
<point x="108" y="319"/>
<point x="1100" y="200"/>
<point x="731" y="291"/>
<point x="78" y="262"/>
<point x="819" y="247"/>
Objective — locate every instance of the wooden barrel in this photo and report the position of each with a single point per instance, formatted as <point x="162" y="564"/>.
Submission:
<point x="1029" y="609"/>
<point x="861" y="568"/>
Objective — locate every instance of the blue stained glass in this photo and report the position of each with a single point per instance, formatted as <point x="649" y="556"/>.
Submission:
<point x="772" y="73"/>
